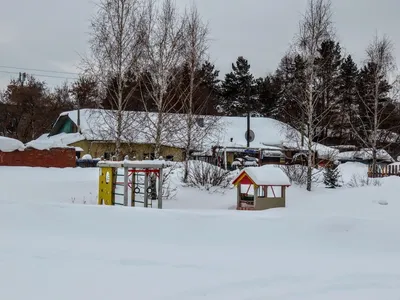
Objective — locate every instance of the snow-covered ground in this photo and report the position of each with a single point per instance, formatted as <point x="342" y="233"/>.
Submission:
<point x="327" y="244"/>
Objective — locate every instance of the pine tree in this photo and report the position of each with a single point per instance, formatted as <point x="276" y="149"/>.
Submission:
<point x="347" y="101"/>
<point x="366" y="98"/>
<point x="331" y="177"/>
<point x="328" y="70"/>
<point x="290" y="80"/>
<point x="268" y="89"/>
<point x="211" y="86"/>
<point x="238" y="90"/>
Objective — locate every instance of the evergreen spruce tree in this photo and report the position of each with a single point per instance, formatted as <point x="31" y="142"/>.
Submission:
<point x="331" y="177"/>
<point x="211" y="87"/>
<point x="365" y="99"/>
<point x="328" y="70"/>
<point x="290" y="85"/>
<point x="349" y="110"/>
<point x="268" y="89"/>
<point x="237" y="88"/>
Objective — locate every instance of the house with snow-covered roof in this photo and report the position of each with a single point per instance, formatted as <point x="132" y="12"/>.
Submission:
<point x="94" y="131"/>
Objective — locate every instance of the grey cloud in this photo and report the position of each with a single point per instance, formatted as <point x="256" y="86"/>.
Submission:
<point x="48" y="34"/>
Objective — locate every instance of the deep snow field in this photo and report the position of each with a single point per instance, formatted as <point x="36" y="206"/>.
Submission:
<point x="327" y="244"/>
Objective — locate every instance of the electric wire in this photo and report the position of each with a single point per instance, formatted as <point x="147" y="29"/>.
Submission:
<point x="40" y="75"/>
<point x="38" y="70"/>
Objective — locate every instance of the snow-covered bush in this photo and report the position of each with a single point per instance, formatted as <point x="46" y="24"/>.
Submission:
<point x="358" y="180"/>
<point x="298" y="174"/>
<point x="205" y="175"/>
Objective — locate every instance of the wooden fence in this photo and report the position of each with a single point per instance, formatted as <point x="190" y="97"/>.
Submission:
<point x="384" y="171"/>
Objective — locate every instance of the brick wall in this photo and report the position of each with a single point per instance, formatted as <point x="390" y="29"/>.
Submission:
<point x="53" y="158"/>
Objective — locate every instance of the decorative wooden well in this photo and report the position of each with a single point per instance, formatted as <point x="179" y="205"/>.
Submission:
<point x="260" y="188"/>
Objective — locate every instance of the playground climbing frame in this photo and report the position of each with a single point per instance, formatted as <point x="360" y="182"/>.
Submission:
<point x="151" y="171"/>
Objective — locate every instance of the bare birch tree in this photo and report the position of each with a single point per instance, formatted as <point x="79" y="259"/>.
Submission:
<point x="374" y="124"/>
<point x="116" y="45"/>
<point x="315" y="28"/>
<point x="197" y="125"/>
<point x="162" y="59"/>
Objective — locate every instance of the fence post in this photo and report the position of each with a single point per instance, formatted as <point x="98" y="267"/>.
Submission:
<point x="160" y="185"/>
<point x="146" y="185"/>
<point x="133" y="195"/>
<point x="126" y="181"/>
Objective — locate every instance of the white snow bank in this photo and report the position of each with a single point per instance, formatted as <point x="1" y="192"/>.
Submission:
<point x="352" y="170"/>
<point x="10" y="145"/>
<point x="65" y="252"/>
<point x="266" y="175"/>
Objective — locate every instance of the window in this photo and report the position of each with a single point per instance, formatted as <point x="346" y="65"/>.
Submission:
<point x="108" y="155"/>
<point x="149" y="156"/>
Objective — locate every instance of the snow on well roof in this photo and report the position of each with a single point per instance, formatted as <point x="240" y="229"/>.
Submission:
<point x="266" y="175"/>
<point x="10" y="145"/>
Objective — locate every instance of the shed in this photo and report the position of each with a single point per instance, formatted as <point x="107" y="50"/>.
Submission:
<point x="260" y="188"/>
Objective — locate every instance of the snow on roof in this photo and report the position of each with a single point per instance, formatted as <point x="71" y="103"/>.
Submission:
<point x="139" y="127"/>
<point x="364" y="154"/>
<point x="62" y="140"/>
<point x="266" y="175"/>
<point x="10" y="145"/>
<point x="266" y="131"/>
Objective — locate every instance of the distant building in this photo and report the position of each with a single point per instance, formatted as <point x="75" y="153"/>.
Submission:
<point x="220" y="140"/>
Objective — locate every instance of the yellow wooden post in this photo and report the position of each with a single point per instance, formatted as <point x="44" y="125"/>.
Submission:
<point x="106" y="186"/>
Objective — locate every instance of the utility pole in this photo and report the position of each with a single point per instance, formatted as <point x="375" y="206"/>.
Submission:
<point x="248" y="115"/>
<point x="22" y="78"/>
<point x="79" y="115"/>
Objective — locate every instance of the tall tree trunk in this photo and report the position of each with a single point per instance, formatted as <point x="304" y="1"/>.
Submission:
<point x="375" y="129"/>
<point x="310" y="132"/>
<point x="158" y="135"/>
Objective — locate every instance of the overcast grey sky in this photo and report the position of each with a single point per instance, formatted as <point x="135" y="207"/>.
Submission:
<point x="49" y="34"/>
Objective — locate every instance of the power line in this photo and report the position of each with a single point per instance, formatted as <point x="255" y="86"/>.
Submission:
<point x="39" y="70"/>
<point x="40" y="75"/>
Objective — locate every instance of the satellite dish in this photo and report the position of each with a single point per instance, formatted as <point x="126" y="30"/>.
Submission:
<point x="249" y="135"/>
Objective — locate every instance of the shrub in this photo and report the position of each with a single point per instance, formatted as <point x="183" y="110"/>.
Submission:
<point x="206" y="175"/>
<point x="358" y="180"/>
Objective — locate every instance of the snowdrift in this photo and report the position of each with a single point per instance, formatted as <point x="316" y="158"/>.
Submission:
<point x="10" y="145"/>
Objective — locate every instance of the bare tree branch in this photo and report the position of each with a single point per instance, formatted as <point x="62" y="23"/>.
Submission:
<point x="116" y="46"/>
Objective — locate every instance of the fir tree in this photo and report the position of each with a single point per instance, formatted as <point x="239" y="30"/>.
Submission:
<point x="268" y="89"/>
<point x="290" y="80"/>
<point x="328" y="69"/>
<point x="238" y="90"/>
<point x="366" y="95"/>
<point x="331" y="177"/>
<point x="211" y="87"/>
<point x="210" y="75"/>
<point x="347" y="101"/>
